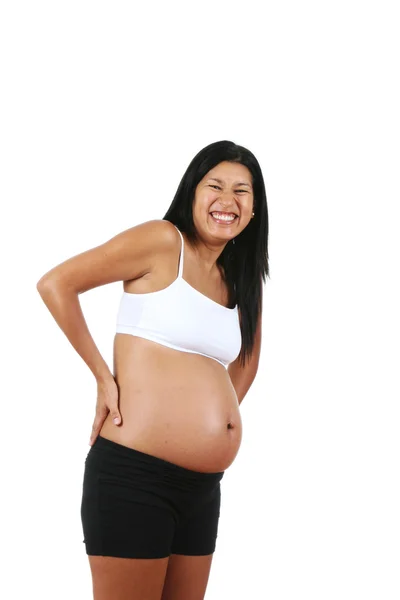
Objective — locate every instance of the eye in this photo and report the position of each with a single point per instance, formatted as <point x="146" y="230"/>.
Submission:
<point x="218" y="188"/>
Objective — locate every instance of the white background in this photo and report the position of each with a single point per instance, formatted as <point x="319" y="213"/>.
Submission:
<point x="103" y="105"/>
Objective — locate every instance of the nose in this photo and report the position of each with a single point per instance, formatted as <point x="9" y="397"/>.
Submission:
<point x="229" y="195"/>
<point x="227" y="203"/>
<point x="227" y="199"/>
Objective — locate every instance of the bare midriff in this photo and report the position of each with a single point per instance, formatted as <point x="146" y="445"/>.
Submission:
<point x="179" y="406"/>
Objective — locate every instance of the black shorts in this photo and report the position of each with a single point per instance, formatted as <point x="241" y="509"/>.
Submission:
<point x="135" y="505"/>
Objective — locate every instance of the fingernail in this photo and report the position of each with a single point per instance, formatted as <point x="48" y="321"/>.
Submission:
<point x="116" y="420"/>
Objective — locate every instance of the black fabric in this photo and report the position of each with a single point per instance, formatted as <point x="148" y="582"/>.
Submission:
<point x="135" y="505"/>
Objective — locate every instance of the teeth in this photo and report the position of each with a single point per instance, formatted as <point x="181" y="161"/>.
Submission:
<point x="224" y="216"/>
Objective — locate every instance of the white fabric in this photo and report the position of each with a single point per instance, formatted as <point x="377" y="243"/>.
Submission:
<point x="181" y="317"/>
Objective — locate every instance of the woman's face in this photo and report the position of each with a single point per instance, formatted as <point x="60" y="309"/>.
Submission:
<point x="227" y="189"/>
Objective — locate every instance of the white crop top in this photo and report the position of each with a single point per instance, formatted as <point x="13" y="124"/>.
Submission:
<point x="181" y="317"/>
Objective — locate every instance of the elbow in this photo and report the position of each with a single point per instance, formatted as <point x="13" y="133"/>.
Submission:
<point x="43" y="284"/>
<point x="46" y="284"/>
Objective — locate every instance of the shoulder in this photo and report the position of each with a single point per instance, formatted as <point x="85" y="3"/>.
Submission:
<point x="165" y="229"/>
<point x="158" y="233"/>
<point x="162" y="237"/>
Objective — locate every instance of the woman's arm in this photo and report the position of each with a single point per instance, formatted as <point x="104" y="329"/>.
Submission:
<point x="126" y="256"/>
<point x="243" y="377"/>
<point x="64" y="305"/>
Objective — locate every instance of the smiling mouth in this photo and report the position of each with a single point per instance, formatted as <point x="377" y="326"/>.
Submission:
<point x="223" y="218"/>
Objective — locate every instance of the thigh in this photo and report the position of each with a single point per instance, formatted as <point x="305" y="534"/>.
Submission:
<point x="125" y="510"/>
<point x="127" y="578"/>
<point x="196" y="533"/>
<point x="186" y="577"/>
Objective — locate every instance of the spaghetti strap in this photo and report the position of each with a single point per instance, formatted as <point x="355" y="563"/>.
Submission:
<point x="181" y="317"/>
<point x="180" y="271"/>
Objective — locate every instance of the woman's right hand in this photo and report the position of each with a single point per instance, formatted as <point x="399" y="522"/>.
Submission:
<point x="107" y="402"/>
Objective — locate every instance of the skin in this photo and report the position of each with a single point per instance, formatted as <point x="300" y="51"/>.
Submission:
<point x="180" y="409"/>
<point x="227" y="197"/>
<point x="172" y="404"/>
<point x="178" y="405"/>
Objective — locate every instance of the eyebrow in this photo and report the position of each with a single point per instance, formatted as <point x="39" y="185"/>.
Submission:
<point x="237" y="183"/>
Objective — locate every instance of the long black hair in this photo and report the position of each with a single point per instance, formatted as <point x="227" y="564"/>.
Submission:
<point x="244" y="260"/>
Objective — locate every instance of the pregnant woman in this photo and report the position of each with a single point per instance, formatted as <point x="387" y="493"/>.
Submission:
<point x="186" y="351"/>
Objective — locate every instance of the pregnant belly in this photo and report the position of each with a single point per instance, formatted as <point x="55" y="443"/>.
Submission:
<point x="179" y="406"/>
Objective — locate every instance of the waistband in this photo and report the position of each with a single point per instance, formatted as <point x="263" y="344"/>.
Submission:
<point x="102" y="443"/>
